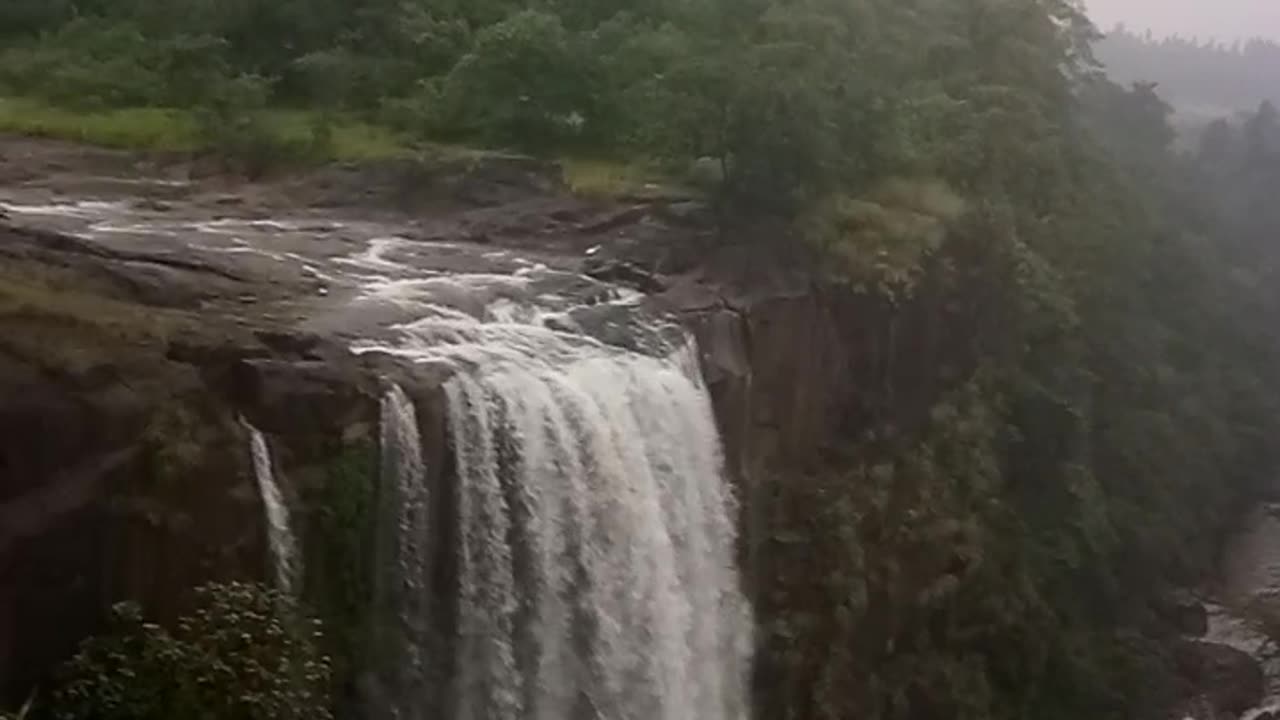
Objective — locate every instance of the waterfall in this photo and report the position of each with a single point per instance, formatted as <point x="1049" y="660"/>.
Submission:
<point x="280" y="538"/>
<point x="595" y="531"/>
<point x="404" y="483"/>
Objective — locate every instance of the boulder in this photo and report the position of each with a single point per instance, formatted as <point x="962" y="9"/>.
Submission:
<point x="1186" y="613"/>
<point x="1230" y="680"/>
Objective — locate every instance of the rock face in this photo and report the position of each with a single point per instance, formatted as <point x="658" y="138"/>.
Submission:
<point x="124" y="468"/>
<point x="136" y="337"/>
<point x="1187" y="614"/>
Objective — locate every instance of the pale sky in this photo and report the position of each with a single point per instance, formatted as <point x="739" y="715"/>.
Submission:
<point x="1224" y="19"/>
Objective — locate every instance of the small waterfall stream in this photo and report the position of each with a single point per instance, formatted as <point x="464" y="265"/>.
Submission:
<point x="283" y="545"/>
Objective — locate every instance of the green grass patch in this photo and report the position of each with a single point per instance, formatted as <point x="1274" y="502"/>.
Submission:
<point x="172" y="130"/>
<point x="602" y="178"/>
<point x="128" y="128"/>
<point x="606" y="178"/>
<point x="350" y="139"/>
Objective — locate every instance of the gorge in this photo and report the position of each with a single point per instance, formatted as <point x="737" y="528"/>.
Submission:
<point x="524" y="454"/>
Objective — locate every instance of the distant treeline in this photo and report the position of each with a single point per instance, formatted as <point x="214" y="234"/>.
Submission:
<point x="1193" y="73"/>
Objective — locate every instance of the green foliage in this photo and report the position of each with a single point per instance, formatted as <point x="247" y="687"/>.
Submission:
<point x="244" y="652"/>
<point x="524" y="82"/>
<point x="136" y="128"/>
<point x="86" y="64"/>
<point x="883" y="241"/>
<point x="339" y="546"/>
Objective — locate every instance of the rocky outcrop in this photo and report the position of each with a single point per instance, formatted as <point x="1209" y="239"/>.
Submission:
<point x="124" y="466"/>
<point x="1224" y="681"/>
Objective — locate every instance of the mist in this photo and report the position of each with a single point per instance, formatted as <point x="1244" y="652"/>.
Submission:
<point x="1224" y="19"/>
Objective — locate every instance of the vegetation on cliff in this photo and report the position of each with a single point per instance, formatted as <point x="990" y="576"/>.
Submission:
<point x="1005" y="554"/>
<point x="243" y="652"/>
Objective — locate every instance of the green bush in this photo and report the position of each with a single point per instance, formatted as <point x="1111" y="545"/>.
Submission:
<point x="339" y="543"/>
<point x="234" y="125"/>
<point x="525" y="82"/>
<point x="86" y="64"/>
<point x="244" y="654"/>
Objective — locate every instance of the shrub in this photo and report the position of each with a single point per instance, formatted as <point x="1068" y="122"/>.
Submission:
<point x="234" y="126"/>
<point x="244" y="653"/>
<point x="85" y="64"/>
<point x="524" y="82"/>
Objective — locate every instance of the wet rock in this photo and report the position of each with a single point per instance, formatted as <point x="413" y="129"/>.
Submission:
<point x="688" y="213"/>
<point x="615" y="220"/>
<point x="1230" y="680"/>
<point x="153" y="205"/>
<point x="298" y="344"/>
<point x="625" y="273"/>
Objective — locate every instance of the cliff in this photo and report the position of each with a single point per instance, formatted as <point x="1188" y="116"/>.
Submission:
<point x="147" y="319"/>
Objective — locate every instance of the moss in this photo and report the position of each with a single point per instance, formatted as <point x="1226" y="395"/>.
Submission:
<point x="339" y="544"/>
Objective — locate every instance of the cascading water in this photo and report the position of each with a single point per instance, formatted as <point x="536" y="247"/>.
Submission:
<point x="595" y="536"/>
<point x="280" y="536"/>
<point x="404" y="483"/>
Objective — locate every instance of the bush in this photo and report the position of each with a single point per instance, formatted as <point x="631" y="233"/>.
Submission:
<point x="524" y="82"/>
<point x="244" y="653"/>
<point x="234" y="126"/>
<point x="86" y="64"/>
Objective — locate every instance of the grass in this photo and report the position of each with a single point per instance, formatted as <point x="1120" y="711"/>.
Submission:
<point x="596" y="178"/>
<point x="153" y="129"/>
<point x="169" y="130"/>
<point x="351" y="140"/>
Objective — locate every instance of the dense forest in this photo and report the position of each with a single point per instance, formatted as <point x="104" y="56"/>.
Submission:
<point x="1124" y="394"/>
<point x="1198" y="74"/>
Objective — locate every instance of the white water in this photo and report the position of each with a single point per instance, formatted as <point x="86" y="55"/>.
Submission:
<point x="280" y="538"/>
<point x="595" y="528"/>
<point x="404" y="479"/>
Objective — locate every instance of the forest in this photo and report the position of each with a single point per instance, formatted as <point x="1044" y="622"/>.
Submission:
<point x="1199" y="74"/>
<point x="1125" y="393"/>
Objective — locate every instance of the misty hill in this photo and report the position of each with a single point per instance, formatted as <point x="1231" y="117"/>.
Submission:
<point x="1197" y="76"/>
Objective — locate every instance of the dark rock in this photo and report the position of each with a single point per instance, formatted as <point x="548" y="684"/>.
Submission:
<point x="1186" y="613"/>
<point x="616" y="219"/>
<point x="154" y="205"/>
<point x="297" y="344"/>
<point x="498" y="179"/>
<point x="622" y="272"/>
<point x="688" y="213"/>
<point x="300" y="397"/>
<point x="1231" y="680"/>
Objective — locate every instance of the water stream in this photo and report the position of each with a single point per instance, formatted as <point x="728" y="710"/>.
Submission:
<point x="284" y="555"/>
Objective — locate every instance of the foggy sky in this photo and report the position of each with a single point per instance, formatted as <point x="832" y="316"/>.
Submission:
<point x="1223" y="19"/>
